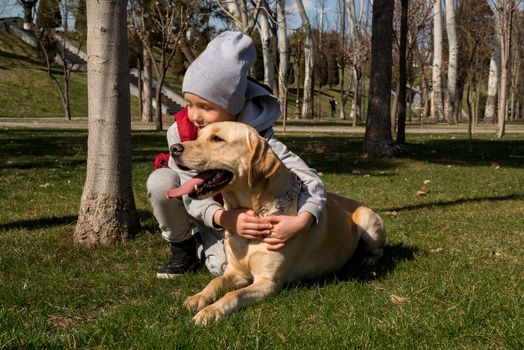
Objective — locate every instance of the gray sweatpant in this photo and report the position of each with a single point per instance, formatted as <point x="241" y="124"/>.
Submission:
<point x="177" y="225"/>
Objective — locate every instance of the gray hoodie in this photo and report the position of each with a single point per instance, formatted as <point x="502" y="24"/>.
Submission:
<point x="260" y="111"/>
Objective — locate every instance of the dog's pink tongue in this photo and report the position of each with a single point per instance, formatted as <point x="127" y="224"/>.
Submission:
<point x="188" y="186"/>
<point x="185" y="188"/>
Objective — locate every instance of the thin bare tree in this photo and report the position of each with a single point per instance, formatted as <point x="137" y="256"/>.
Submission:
<point x="54" y="49"/>
<point x="168" y="21"/>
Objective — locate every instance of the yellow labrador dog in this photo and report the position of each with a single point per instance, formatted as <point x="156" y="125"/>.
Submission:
<point x="233" y="159"/>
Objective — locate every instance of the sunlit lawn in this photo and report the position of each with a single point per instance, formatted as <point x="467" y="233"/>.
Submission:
<point x="451" y="276"/>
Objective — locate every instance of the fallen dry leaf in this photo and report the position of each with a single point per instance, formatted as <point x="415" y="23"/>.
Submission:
<point x="46" y="185"/>
<point x="436" y="250"/>
<point x="391" y="213"/>
<point x="398" y="299"/>
<point x="423" y="190"/>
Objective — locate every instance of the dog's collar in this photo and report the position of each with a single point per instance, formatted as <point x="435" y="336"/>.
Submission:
<point x="279" y="205"/>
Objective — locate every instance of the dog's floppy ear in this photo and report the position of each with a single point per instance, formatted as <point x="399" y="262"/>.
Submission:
<point x="262" y="161"/>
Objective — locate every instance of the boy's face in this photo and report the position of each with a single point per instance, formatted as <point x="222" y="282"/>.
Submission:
<point x="201" y="112"/>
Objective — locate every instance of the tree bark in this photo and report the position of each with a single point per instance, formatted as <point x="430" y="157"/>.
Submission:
<point x="505" y="15"/>
<point x="107" y="210"/>
<point x="493" y="80"/>
<point x="28" y="6"/>
<point x="377" y="140"/>
<point x="356" y="111"/>
<point x="453" y="62"/>
<point x="402" y="74"/>
<point x="342" y="62"/>
<point x="307" y="104"/>
<point x="283" y="51"/>
<point x="147" y="95"/>
<point x="267" y="54"/>
<point x="436" y="93"/>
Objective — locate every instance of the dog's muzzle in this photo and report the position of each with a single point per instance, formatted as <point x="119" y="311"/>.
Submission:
<point x="176" y="149"/>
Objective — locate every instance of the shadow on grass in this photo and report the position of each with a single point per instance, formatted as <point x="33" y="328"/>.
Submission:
<point x="148" y="224"/>
<point x="35" y="224"/>
<point x="354" y="270"/>
<point x="342" y="153"/>
<point x="509" y="197"/>
<point x="327" y="153"/>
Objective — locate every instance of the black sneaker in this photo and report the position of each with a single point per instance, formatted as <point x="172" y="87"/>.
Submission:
<point x="183" y="259"/>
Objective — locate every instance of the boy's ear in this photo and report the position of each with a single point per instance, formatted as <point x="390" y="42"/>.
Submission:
<point x="263" y="162"/>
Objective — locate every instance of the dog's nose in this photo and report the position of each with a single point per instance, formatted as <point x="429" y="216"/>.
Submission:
<point x="176" y="149"/>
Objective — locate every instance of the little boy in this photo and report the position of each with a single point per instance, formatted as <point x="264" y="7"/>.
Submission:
<point x="217" y="88"/>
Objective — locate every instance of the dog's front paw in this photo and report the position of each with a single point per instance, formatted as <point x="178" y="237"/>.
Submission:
<point x="196" y="302"/>
<point x="206" y="315"/>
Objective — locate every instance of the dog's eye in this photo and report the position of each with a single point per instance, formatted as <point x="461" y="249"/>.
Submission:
<point x="215" y="138"/>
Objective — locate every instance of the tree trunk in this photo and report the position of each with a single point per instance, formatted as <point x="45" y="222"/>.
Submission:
<point x="140" y="78"/>
<point x="377" y="139"/>
<point x="394" y="109"/>
<point x="65" y="98"/>
<point x="158" y="103"/>
<point x="493" y="80"/>
<point x="436" y="94"/>
<point x="28" y="6"/>
<point x="403" y="74"/>
<point x="107" y="210"/>
<point x="453" y="62"/>
<point x="505" y="15"/>
<point x="267" y="54"/>
<point x="342" y="109"/>
<point x="356" y="110"/>
<point x="283" y="50"/>
<point x="307" y="104"/>
<point x="147" y="96"/>
<point x="233" y="9"/>
<point x="424" y="94"/>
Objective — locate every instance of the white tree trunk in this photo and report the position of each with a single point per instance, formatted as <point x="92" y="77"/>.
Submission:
<point x="436" y="94"/>
<point x="267" y="54"/>
<point x="147" y="92"/>
<point x="283" y="51"/>
<point x="356" y="75"/>
<point x="107" y="210"/>
<point x="307" y="105"/>
<point x="505" y="10"/>
<point x="233" y="8"/>
<point x="493" y="80"/>
<point x="453" y="61"/>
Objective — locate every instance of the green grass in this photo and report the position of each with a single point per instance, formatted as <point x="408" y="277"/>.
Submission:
<point x="451" y="276"/>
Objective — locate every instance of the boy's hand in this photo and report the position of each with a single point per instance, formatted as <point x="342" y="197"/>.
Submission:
<point x="243" y="222"/>
<point x="285" y="227"/>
